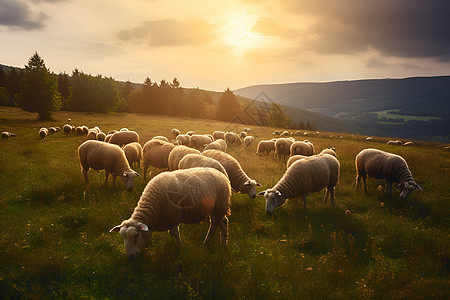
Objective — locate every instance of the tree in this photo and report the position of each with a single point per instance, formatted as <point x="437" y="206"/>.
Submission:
<point x="39" y="89"/>
<point x="278" y="118"/>
<point x="64" y="88"/>
<point x="228" y="107"/>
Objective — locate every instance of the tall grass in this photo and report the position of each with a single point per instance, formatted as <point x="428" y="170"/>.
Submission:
<point x="55" y="241"/>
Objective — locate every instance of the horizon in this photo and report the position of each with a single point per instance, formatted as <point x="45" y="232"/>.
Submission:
<point x="235" y="44"/>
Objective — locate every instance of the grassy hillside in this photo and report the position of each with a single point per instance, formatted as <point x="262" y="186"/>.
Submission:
<point x="55" y="241"/>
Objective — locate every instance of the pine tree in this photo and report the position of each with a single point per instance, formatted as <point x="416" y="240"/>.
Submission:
<point x="228" y="107"/>
<point x="278" y="118"/>
<point x="39" y="89"/>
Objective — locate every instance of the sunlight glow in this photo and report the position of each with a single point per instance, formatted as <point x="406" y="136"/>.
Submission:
<point x="238" y="34"/>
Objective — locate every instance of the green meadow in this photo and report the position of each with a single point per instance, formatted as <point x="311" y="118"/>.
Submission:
<point x="55" y="240"/>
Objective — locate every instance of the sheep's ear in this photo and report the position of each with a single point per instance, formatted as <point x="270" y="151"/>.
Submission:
<point x="117" y="228"/>
<point x="258" y="184"/>
<point x="137" y="174"/>
<point x="261" y="193"/>
<point x="278" y="193"/>
<point x="125" y="174"/>
<point x="418" y="186"/>
<point x="142" y="226"/>
<point x="247" y="183"/>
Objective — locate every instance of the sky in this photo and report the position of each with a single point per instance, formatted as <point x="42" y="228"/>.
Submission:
<point x="214" y="45"/>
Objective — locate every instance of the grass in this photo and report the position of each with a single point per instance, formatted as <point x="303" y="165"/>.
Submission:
<point x="55" y="241"/>
<point x="388" y="116"/>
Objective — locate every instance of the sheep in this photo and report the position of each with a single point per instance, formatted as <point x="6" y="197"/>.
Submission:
<point x="170" y="198"/>
<point x="160" y="137"/>
<point x="133" y="153"/>
<point x="198" y="141"/>
<point x="190" y="132"/>
<point x="112" y="132"/>
<point x="103" y="156"/>
<point x="396" y="143"/>
<point x="369" y="139"/>
<point x="67" y="129"/>
<point x="240" y="182"/>
<point x="156" y="153"/>
<point x="52" y="130"/>
<point x="243" y="134"/>
<point x="7" y="134"/>
<point x="305" y="176"/>
<point x="175" y="132"/>
<point x="219" y="144"/>
<point x="330" y="150"/>
<point x="108" y="137"/>
<point x="379" y="164"/>
<point x="302" y="148"/>
<point x="92" y="134"/>
<point x="219" y="135"/>
<point x="276" y="132"/>
<point x="265" y="147"/>
<point x="123" y="129"/>
<point x="183" y="139"/>
<point x="79" y="130"/>
<point x="177" y="154"/>
<point x="294" y="158"/>
<point x="197" y="160"/>
<point x="101" y="136"/>
<point x="124" y="137"/>
<point x="408" y="144"/>
<point x="232" y="138"/>
<point x="248" y="140"/>
<point x="247" y="129"/>
<point x="283" y="147"/>
<point x="85" y="129"/>
<point x="43" y="132"/>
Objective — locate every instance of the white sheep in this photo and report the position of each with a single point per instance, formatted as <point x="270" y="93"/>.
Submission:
<point x="218" y="144"/>
<point x="240" y="182"/>
<point x="248" y="140"/>
<point x="285" y="133"/>
<point x="380" y="164"/>
<point x="123" y="129"/>
<point x="79" y="130"/>
<point x="103" y="156"/>
<point x="92" y="134"/>
<point x="232" y="138"/>
<point x="156" y="153"/>
<point x="170" y="198"/>
<point x="199" y="141"/>
<point x="108" y="137"/>
<point x="200" y="161"/>
<point x="276" y="132"/>
<point x="124" y="137"/>
<point x="219" y="135"/>
<point x="101" y="136"/>
<point x="175" y="132"/>
<point x="294" y="158"/>
<point x="7" y="134"/>
<point x="133" y="153"/>
<point x="305" y="176"/>
<point x="283" y="147"/>
<point x="369" y="139"/>
<point x="394" y="143"/>
<point x="302" y="148"/>
<point x="160" y="137"/>
<point x="190" y="132"/>
<point x="408" y="144"/>
<point x="265" y="147"/>
<point x="43" y="132"/>
<point x="67" y="129"/>
<point x="177" y="154"/>
<point x="183" y="139"/>
<point x="243" y="134"/>
<point x="85" y="129"/>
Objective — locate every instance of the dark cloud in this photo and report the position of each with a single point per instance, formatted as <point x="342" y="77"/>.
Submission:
<point x="170" y="32"/>
<point x="404" y="28"/>
<point x="17" y="14"/>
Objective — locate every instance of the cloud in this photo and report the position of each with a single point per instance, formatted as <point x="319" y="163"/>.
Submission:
<point x="170" y="32"/>
<point x="18" y="14"/>
<point x="268" y="27"/>
<point x="403" y="28"/>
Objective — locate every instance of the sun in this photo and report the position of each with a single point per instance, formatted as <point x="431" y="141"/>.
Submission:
<point x="237" y="32"/>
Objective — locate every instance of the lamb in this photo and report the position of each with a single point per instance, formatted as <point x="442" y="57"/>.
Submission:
<point x="232" y="138"/>
<point x="218" y="144"/>
<point x="265" y="147"/>
<point x="67" y="129"/>
<point x="302" y="148"/>
<point x="248" y="140"/>
<point x="177" y="154"/>
<point x="219" y="135"/>
<point x="396" y="143"/>
<point x="156" y="153"/>
<point x="7" y="134"/>
<point x="161" y="138"/>
<point x="305" y="176"/>
<point x="133" y="153"/>
<point x="124" y="137"/>
<point x="198" y="141"/>
<point x="175" y="132"/>
<point x="283" y="147"/>
<point x="43" y="132"/>
<point x="101" y="136"/>
<point x="379" y="164"/>
<point x="182" y="196"/>
<point x="183" y="139"/>
<point x="240" y="182"/>
<point x="99" y="155"/>
<point x="197" y="160"/>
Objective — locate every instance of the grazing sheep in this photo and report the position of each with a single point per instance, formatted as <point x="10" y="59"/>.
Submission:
<point x="52" y="130"/>
<point x="170" y="198"/>
<point x="101" y="136"/>
<point x="67" y="129"/>
<point x="133" y="153"/>
<point x="302" y="148"/>
<point x="285" y="133"/>
<point x="232" y="138"/>
<point x="43" y="132"/>
<point x="408" y="144"/>
<point x="276" y="132"/>
<point x="330" y="150"/>
<point x="218" y="144"/>
<point x="200" y="161"/>
<point x="248" y="140"/>
<point x="124" y="137"/>
<point x="108" y="137"/>
<point x="243" y="134"/>
<point x="219" y="135"/>
<point x="112" y="132"/>
<point x="85" y="129"/>
<point x="395" y="143"/>
<point x="283" y="147"/>
<point x="240" y="182"/>
<point x="379" y="164"/>
<point x="306" y="133"/>
<point x="369" y="139"/>
<point x="175" y="132"/>
<point x="156" y="153"/>
<point x="190" y="132"/>
<point x="123" y="129"/>
<point x="247" y="130"/>
<point x="177" y="154"/>
<point x="79" y="130"/>
<point x="103" y="156"/>
<point x="161" y="138"/>
<point x="92" y="134"/>
<point x="265" y="147"/>
<point x="183" y="139"/>
<point x="294" y="158"/>
<point x="199" y="141"/>
<point x="305" y="176"/>
<point x="7" y="134"/>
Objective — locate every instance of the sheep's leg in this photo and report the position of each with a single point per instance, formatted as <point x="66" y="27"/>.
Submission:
<point x="364" y="182"/>
<point x="211" y="230"/>
<point x="224" y="231"/>
<point x="145" y="171"/>
<point x="332" y="190"/>
<point x="107" y="175"/>
<point x="304" y="203"/>
<point x="388" y="187"/>
<point x="175" y="232"/>
<point x="114" y="180"/>
<point x="86" y="179"/>
<point x="327" y="192"/>
<point x="358" y="181"/>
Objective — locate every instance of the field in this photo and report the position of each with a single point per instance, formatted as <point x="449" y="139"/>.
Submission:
<point x="391" y="116"/>
<point x="55" y="241"/>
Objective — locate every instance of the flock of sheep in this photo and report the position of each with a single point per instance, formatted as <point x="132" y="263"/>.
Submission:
<point x="201" y="175"/>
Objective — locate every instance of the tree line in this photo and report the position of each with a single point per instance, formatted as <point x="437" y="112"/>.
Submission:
<point x="36" y="89"/>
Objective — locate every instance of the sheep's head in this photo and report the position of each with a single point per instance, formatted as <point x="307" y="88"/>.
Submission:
<point x="135" y="235"/>
<point x="128" y="179"/>
<point x="406" y="188"/>
<point x="273" y="200"/>
<point x="250" y="188"/>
